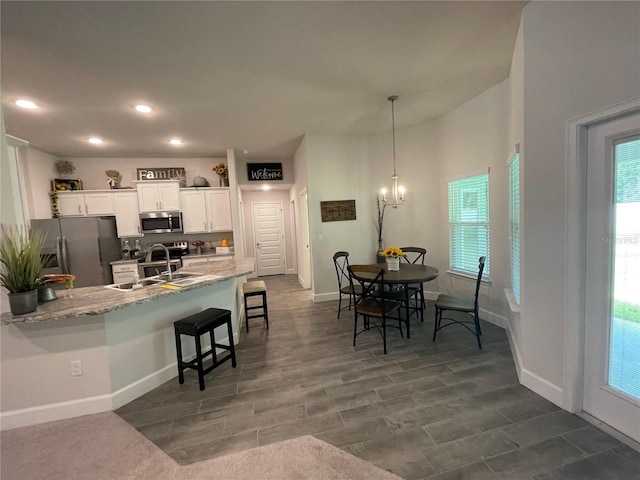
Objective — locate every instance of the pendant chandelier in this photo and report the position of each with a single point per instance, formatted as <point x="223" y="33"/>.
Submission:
<point x="397" y="192"/>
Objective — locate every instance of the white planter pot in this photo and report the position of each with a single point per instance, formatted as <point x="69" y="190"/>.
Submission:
<point x="393" y="264"/>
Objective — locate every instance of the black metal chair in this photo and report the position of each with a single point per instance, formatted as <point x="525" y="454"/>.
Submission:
<point x="368" y="304"/>
<point x="416" y="255"/>
<point x="341" y="262"/>
<point x="460" y="304"/>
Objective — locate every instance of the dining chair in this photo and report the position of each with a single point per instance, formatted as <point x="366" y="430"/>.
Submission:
<point x="369" y="304"/>
<point x="416" y="255"/>
<point x="465" y="305"/>
<point x="341" y="262"/>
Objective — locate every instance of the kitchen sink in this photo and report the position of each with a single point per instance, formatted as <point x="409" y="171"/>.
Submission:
<point x="130" y="286"/>
<point x="164" y="277"/>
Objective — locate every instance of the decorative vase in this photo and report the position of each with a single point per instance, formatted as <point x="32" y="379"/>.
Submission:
<point x="393" y="264"/>
<point x="224" y="181"/>
<point x="46" y="293"/>
<point x="23" y="302"/>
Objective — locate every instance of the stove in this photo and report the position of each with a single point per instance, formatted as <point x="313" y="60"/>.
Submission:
<point x="158" y="262"/>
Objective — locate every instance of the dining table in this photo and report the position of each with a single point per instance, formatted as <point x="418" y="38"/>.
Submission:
<point x="408" y="274"/>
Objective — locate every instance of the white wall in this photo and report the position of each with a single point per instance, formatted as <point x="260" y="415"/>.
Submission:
<point x="578" y="57"/>
<point x="38" y="171"/>
<point x="473" y="139"/>
<point x="91" y="170"/>
<point x="338" y="170"/>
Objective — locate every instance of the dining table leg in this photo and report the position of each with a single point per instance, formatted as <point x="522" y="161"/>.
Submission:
<point x="406" y="303"/>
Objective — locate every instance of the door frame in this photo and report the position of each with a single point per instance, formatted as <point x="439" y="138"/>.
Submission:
<point x="575" y="246"/>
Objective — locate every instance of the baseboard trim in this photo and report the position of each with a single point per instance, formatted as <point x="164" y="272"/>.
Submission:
<point x="55" y="411"/>
<point x="140" y="387"/>
<point x="325" y="297"/>
<point x="542" y="387"/>
<point x="89" y="405"/>
<point x="494" y="318"/>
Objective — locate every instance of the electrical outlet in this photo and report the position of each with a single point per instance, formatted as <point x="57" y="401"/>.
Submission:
<point x="76" y="368"/>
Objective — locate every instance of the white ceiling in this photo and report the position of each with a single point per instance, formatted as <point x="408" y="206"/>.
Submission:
<point x="252" y="76"/>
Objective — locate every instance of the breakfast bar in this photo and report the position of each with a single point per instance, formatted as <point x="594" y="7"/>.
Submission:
<point x="95" y="349"/>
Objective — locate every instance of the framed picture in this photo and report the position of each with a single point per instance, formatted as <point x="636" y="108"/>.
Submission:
<point x="338" y="210"/>
<point x="66" y="184"/>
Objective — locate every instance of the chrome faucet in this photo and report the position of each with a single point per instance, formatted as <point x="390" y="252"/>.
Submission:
<point x="166" y="252"/>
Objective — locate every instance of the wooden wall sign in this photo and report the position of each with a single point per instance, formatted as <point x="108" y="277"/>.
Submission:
<point x="162" y="173"/>
<point x="338" y="210"/>
<point x="264" y="172"/>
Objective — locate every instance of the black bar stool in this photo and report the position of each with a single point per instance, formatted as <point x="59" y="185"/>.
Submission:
<point x="195" y="325"/>
<point x="251" y="289"/>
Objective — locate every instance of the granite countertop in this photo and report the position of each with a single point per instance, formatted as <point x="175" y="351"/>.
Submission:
<point x="97" y="300"/>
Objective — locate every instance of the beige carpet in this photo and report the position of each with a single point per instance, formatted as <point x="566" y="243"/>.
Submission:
<point x="104" y="446"/>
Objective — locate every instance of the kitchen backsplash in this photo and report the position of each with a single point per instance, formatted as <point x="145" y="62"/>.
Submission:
<point x="210" y="239"/>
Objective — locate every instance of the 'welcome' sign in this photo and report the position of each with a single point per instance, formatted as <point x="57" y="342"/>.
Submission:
<point x="261" y="172"/>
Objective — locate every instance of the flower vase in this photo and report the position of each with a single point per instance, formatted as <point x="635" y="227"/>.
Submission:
<point x="379" y="255"/>
<point x="224" y="181"/>
<point x="393" y="264"/>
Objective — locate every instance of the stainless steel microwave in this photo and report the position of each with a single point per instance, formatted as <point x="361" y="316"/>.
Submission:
<point x="161" y="222"/>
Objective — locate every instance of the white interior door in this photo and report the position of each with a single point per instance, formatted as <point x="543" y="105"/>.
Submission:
<point x="268" y="234"/>
<point x="612" y="302"/>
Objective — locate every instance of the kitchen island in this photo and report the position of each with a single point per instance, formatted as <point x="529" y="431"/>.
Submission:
<point x="99" y="348"/>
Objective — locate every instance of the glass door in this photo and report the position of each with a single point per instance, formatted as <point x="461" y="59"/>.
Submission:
<point x="612" y="307"/>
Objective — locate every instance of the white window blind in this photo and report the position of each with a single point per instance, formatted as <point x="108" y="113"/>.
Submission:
<point x="469" y="224"/>
<point x="514" y="224"/>
<point x="624" y="362"/>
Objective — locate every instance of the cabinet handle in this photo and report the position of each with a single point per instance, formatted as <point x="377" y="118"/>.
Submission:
<point x="86" y="209"/>
<point x="79" y="210"/>
<point x="205" y="225"/>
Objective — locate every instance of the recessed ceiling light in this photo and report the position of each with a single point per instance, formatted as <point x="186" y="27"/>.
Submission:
<point x="175" y="141"/>
<point x="26" y="104"/>
<point x="143" y="108"/>
<point x="266" y="187"/>
<point x="245" y="152"/>
<point x="95" y="140"/>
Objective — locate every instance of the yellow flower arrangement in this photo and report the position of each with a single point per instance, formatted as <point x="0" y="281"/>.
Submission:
<point x="393" y="252"/>
<point x="221" y="169"/>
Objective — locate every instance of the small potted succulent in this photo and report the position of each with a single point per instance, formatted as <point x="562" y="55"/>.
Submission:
<point x="21" y="263"/>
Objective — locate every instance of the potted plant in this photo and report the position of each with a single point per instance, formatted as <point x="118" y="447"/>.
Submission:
<point x="21" y="263"/>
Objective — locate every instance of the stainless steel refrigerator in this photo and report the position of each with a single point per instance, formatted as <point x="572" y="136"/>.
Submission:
<point x="82" y="246"/>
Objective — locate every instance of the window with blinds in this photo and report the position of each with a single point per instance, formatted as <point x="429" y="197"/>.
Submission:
<point x="624" y="362"/>
<point x="514" y="224"/>
<point x="469" y="224"/>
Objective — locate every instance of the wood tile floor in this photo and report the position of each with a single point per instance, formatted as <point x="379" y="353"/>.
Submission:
<point x="438" y="411"/>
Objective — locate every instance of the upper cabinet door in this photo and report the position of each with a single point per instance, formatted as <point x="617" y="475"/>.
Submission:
<point x="194" y="213"/>
<point x="148" y="197"/>
<point x="98" y="203"/>
<point x="169" y="196"/>
<point x="158" y="196"/>
<point x="219" y="207"/>
<point x="125" y="205"/>
<point x="71" y="204"/>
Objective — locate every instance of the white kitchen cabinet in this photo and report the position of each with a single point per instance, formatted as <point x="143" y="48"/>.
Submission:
<point x="124" y="272"/>
<point x="219" y="210"/>
<point x="125" y="205"/>
<point x="79" y="204"/>
<point x="158" y="196"/>
<point x="194" y="211"/>
<point x="206" y="210"/>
